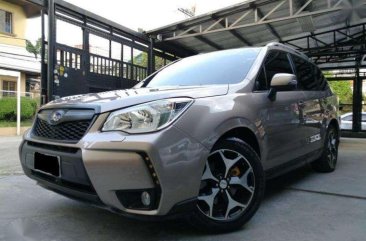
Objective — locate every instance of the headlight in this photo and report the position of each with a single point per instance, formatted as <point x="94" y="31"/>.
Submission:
<point x="147" y="117"/>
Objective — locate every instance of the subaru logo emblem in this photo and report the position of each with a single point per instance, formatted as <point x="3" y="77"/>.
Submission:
<point x="56" y="116"/>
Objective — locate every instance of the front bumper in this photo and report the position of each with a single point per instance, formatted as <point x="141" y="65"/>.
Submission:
<point x="104" y="164"/>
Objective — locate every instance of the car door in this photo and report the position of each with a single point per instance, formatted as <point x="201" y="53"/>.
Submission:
<point x="281" y="117"/>
<point x="312" y="106"/>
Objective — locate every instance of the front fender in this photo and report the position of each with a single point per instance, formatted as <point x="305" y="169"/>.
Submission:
<point x="209" y="119"/>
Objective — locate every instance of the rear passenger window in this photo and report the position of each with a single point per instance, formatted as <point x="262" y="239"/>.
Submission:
<point x="305" y="72"/>
<point x="322" y="82"/>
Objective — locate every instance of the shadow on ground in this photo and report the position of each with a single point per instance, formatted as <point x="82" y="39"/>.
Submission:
<point x="68" y="220"/>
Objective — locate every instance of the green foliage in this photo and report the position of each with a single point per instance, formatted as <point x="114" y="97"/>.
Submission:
<point x="24" y="123"/>
<point x="34" y="49"/>
<point x="142" y="58"/>
<point x="8" y="108"/>
<point x="343" y="90"/>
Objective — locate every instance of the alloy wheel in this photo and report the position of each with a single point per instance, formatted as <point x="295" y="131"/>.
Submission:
<point x="332" y="149"/>
<point x="227" y="185"/>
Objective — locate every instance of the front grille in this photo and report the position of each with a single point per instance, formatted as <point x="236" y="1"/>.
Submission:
<point x="54" y="147"/>
<point x="66" y="131"/>
<point x="72" y="185"/>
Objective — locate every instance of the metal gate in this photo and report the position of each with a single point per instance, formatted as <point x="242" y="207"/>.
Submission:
<point x="73" y="69"/>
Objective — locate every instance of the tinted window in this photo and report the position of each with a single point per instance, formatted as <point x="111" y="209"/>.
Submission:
<point x="261" y="81"/>
<point x="321" y="80"/>
<point x="276" y="62"/>
<point x="363" y="117"/>
<point x="222" y="67"/>
<point x="305" y="72"/>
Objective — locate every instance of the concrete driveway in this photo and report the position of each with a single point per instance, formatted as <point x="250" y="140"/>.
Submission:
<point x="302" y="205"/>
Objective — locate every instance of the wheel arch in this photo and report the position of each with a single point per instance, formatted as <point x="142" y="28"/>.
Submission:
<point x="244" y="134"/>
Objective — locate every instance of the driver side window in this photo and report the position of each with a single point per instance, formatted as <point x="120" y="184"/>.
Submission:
<point x="274" y="63"/>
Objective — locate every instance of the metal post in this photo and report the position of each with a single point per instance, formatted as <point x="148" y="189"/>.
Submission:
<point x="43" y="63"/>
<point x="357" y="99"/>
<point x="151" y="57"/>
<point x="51" y="49"/>
<point x="86" y="51"/>
<point x="122" y="70"/>
<point x="18" y="102"/>
<point x="110" y="43"/>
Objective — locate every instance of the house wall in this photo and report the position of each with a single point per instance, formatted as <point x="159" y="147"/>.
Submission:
<point x="19" y="25"/>
<point x="16" y="38"/>
<point x="14" y="79"/>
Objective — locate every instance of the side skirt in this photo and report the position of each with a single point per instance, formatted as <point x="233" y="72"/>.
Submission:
<point x="293" y="164"/>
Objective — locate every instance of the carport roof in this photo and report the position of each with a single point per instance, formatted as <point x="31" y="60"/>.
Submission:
<point x="332" y="32"/>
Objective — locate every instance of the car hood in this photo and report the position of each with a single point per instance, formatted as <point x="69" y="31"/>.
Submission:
<point x="111" y="100"/>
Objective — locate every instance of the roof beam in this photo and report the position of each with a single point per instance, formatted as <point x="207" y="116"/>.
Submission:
<point x="202" y="38"/>
<point x="258" y="20"/>
<point x="233" y="32"/>
<point x="180" y="50"/>
<point x="209" y="42"/>
<point x="270" y="27"/>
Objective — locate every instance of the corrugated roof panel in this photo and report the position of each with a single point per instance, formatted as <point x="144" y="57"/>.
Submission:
<point x="273" y="23"/>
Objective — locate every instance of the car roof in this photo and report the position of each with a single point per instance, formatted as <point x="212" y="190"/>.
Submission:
<point x="286" y="48"/>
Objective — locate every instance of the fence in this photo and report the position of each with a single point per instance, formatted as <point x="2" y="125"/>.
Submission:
<point x="8" y="93"/>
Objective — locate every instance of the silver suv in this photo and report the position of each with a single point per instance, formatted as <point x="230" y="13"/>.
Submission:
<point x="200" y="136"/>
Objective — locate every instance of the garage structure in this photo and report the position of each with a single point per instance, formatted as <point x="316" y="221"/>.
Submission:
<point x="331" y="32"/>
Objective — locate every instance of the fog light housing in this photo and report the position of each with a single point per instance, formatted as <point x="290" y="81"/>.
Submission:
<point x="140" y="199"/>
<point x="145" y="198"/>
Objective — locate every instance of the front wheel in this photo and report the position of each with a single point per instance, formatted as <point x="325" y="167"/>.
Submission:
<point x="232" y="187"/>
<point x="328" y="161"/>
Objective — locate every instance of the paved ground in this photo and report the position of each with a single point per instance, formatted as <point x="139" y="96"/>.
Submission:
<point x="302" y="205"/>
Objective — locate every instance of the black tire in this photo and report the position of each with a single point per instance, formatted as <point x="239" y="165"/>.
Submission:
<point x="203" y="222"/>
<point x="328" y="160"/>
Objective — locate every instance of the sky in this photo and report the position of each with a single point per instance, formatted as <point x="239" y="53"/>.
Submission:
<point x="134" y="14"/>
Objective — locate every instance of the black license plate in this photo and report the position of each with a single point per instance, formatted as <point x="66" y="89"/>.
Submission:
<point x="47" y="164"/>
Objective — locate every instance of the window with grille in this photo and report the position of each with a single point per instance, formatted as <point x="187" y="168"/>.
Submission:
<point x="9" y="88"/>
<point x="6" y="21"/>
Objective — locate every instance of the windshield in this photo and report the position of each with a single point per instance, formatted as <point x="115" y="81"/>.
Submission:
<point x="222" y="67"/>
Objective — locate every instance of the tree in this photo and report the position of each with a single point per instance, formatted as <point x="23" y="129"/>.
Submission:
<point x="141" y="60"/>
<point x="34" y="49"/>
<point x="343" y="90"/>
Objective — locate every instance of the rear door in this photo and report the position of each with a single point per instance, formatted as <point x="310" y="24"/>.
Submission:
<point x="312" y="106"/>
<point x="281" y="118"/>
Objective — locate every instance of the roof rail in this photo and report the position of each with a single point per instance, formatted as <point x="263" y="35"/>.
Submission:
<point x="287" y="47"/>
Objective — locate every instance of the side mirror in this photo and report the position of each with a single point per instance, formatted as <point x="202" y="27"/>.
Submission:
<point x="281" y="82"/>
<point x="284" y="81"/>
